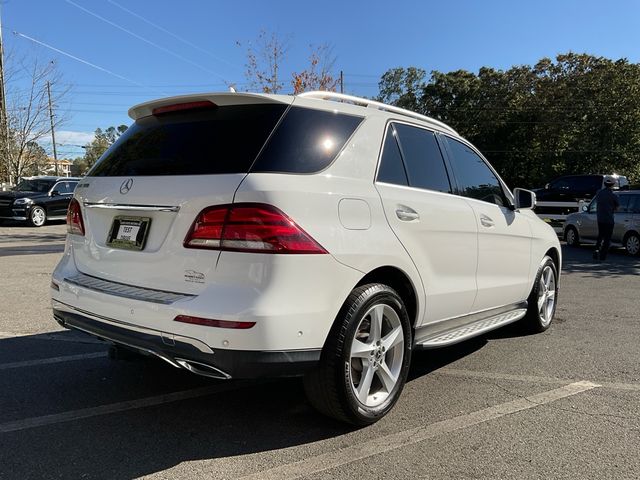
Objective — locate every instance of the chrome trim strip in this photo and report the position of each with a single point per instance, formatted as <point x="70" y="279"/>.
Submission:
<point x="126" y="291"/>
<point x="201" y="346"/>
<point x="14" y="218"/>
<point x="137" y="208"/>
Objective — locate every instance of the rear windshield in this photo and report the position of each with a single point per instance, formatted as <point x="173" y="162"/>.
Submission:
<point x="222" y="140"/>
<point x="228" y="140"/>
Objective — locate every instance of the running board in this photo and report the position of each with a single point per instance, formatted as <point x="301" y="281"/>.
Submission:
<point x="470" y="329"/>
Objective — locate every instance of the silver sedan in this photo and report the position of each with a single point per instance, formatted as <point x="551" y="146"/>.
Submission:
<point x="582" y="227"/>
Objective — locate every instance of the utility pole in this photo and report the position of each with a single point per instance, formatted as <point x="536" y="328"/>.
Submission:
<point x="341" y="82"/>
<point x="4" y="126"/>
<point x="53" y="136"/>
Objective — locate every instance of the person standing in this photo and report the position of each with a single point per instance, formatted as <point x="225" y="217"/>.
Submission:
<point x="606" y="204"/>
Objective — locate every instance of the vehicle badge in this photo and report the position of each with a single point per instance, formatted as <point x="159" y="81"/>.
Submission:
<point x="126" y="186"/>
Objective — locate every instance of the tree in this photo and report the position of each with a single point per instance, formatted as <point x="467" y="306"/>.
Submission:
<point x="575" y="114"/>
<point x="318" y="76"/>
<point x="102" y="140"/>
<point x="35" y="159"/>
<point x="402" y="87"/>
<point x="28" y="116"/>
<point x="264" y="61"/>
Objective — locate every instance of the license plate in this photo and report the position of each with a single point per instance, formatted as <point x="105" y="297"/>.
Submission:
<point x="129" y="233"/>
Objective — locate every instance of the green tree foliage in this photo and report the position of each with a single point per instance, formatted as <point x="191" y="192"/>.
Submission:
<point x="577" y="114"/>
<point x="102" y="140"/>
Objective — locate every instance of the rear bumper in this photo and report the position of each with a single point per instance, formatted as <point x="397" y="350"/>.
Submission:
<point x="189" y="353"/>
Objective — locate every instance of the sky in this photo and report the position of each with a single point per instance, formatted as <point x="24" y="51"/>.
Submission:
<point x="145" y="49"/>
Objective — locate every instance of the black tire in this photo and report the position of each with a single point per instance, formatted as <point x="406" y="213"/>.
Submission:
<point x="37" y="216"/>
<point x="632" y="244"/>
<point x="571" y="237"/>
<point x="538" y="319"/>
<point x="331" y="388"/>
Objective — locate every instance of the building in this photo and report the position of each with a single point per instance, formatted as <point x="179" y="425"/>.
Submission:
<point x="64" y="167"/>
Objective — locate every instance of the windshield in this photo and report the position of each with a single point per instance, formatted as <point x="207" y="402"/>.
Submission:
<point x="40" y="186"/>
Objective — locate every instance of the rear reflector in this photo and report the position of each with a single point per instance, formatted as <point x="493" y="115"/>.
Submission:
<point x="249" y="227"/>
<point x="178" y="107"/>
<point x="75" y="224"/>
<point x="208" y="322"/>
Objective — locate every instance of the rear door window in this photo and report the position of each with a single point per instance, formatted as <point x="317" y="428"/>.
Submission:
<point x="624" y="203"/>
<point x="222" y="140"/>
<point x="423" y="159"/>
<point x="306" y="141"/>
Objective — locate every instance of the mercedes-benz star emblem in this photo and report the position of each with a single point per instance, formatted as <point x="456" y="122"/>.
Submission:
<point x="126" y="186"/>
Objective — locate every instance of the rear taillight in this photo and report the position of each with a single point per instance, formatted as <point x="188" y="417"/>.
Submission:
<point x="249" y="227"/>
<point x="75" y="224"/>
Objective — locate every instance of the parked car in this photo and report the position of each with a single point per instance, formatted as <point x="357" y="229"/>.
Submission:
<point x="38" y="199"/>
<point x="244" y="235"/>
<point x="583" y="227"/>
<point x="565" y="195"/>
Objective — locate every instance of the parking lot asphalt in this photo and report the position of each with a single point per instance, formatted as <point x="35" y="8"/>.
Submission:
<point x="562" y="404"/>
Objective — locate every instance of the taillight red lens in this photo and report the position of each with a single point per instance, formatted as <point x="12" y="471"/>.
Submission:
<point x="249" y="227"/>
<point x="209" y="322"/>
<point x="75" y="224"/>
<point x="179" y="107"/>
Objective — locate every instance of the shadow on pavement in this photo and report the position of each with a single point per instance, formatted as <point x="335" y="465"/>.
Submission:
<point x="579" y="260"/>
<point x="31" y="249"/>
<point x="258" y="417"/>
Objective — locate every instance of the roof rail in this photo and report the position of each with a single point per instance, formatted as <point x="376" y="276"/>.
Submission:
<point x="324" y="95"/>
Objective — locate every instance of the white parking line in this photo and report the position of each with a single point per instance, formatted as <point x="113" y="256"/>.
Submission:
<point x="47" y="361"/>
<point x="320" y="463"/>
<point x="71" y="415"/>
<point x="455" y="372"/>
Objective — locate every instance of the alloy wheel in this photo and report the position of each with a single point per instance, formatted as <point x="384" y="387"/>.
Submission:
<point x="633" y="244"/>
<point x="376" y="355"/>
<point x="38" y="217"/>
<point x="546" y="295"/>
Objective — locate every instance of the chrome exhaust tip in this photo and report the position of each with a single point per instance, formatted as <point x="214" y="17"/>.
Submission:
<point x="202" y="369"/>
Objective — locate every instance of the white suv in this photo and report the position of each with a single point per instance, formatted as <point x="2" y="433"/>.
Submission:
<point x="243" y="235"/>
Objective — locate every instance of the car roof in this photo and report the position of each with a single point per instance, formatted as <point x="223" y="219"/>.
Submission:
<point x="347" y="103"/>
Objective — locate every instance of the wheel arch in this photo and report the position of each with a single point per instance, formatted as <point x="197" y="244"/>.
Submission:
<point x="556" y="257"/>
<point x="400" y="282"/>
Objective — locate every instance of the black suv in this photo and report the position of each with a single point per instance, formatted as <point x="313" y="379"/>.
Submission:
<point x="38" y="199"/>
<point x="570" y="189"/>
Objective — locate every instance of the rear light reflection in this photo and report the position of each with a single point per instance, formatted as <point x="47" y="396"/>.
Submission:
<point x="249" y="227"/>
<point x="209" y="322"/>
<point x="75" y="223"/>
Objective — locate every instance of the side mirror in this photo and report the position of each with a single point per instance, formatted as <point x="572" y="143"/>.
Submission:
<point x="525" y="199"/>
<point x="547" y="186"/>
<point x="54" y="193"/>
<point x="585" y="208"/>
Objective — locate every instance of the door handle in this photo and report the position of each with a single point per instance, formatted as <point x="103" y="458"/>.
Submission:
<point x="406" y="214"/>
<point x="486" y="221"/>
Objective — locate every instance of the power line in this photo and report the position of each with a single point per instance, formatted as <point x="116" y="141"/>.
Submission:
<point x="93" y="65"/>
<point x="141" y="38"/>
<point x="177" y="37"/>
